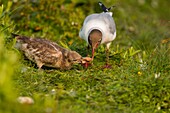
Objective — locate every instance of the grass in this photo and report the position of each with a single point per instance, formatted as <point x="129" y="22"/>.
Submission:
<point x="140" y="58"/>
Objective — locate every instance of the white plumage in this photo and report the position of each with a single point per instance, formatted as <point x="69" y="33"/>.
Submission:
<point x="99" y="29"/>
<point x="103" y="22"/>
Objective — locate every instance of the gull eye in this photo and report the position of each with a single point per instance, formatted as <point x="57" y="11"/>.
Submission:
<point x="90" y="41"/>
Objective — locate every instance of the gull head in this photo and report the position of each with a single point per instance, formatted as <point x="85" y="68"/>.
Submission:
<point x="94" y="39"/>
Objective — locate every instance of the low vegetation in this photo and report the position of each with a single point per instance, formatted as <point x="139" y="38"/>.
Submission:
<point x="140" y="58"/>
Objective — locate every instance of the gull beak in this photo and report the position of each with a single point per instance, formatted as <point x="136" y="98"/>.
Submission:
<point x="93" y="49"/>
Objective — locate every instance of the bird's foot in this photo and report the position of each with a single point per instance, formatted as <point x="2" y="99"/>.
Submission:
<point x="107" y="66"/>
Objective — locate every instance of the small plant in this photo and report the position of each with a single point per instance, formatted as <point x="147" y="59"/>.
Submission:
<point x="140" y="59"/>
<point x="7" y="61"/>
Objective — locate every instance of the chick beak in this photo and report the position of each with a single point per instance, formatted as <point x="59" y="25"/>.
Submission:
<point x="79" y="61"/>
<point x="86" y="61"/>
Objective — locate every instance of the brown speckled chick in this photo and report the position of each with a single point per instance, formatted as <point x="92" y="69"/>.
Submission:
<point x="47" y="53"/>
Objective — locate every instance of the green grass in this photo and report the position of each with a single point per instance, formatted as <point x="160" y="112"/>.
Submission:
<point x="140" y="58"/>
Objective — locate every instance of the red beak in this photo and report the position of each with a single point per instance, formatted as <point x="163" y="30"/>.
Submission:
<point x="93" y="50"/>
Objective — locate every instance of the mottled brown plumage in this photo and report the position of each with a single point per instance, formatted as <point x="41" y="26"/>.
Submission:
<point x="47" y="53"/>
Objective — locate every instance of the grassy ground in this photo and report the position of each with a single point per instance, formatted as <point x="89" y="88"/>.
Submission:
<point x="140" y="58"/>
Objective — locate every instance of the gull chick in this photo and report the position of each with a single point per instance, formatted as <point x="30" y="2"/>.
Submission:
<point x="48" y="53"/>
<point x="99" y="28"/>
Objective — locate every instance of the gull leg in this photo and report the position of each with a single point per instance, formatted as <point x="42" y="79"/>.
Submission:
<point x="107" y="65"/>
<point x="107" y="56"/>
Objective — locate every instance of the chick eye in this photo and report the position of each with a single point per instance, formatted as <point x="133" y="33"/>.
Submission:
<point x="75" y="60"/>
